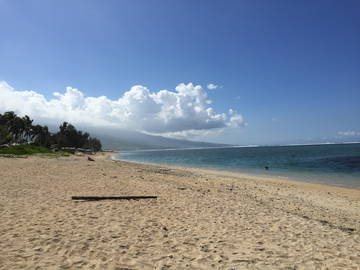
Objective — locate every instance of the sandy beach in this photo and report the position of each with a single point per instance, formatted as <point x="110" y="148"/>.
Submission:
<point x="200" y="220"/>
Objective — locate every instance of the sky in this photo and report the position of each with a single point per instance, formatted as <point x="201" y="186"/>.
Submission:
<point x="240" y="72"/>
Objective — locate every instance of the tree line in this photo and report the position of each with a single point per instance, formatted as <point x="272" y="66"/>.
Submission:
<point x="20" y="130"/>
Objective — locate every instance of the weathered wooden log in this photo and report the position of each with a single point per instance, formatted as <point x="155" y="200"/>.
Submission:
<point x="98" y="198"/>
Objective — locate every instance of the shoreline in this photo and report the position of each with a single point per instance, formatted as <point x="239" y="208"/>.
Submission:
<point x="200" y="219"/>
<point x="248" y="176"/>
<point x="290" y="178"/>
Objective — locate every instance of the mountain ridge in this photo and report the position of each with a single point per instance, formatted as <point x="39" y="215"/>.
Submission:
<point x="126" y="140"/>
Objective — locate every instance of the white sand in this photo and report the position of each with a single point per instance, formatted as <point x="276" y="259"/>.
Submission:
<point x="201" y="219"/>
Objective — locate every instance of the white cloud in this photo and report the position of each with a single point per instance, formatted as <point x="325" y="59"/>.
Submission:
<point x="193" y="134"/>
<point x="183" y="111"/>
<point x="236" y="121"/>
<point x="349" y="133"/>
<point x="212" y="86"/>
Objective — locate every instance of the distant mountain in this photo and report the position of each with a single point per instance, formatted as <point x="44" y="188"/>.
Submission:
<point x="125" y="140"/>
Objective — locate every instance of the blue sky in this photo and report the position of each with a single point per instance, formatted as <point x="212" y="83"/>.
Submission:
<point x="291" y="69"/>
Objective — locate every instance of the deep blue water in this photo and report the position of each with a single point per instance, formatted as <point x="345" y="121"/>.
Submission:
<point x="333" y="164"/>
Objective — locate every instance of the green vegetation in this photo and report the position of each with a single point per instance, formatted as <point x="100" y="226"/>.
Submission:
<point x="68" y="136"/>
<point x="24" y="149"/>
<point x="24" y="138"/>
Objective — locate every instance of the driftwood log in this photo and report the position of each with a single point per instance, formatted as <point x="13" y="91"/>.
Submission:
<point x="98" y="198"/>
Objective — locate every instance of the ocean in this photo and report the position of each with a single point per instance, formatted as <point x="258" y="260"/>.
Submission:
<point x="332" y="164"/>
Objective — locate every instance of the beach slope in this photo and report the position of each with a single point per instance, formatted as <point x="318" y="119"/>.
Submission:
<point x="200" y="220"/>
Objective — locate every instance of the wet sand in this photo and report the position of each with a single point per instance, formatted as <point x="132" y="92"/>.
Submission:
<point x="200" y="220"/>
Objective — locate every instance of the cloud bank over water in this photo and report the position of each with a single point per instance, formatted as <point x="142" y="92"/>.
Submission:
<point x="349" y="133"/>
<point x="185" y="111"/>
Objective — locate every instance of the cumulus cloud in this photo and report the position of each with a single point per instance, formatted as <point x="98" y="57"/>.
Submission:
<point x="349" y="133"/>
<point x="193" y="134"/>
<point x="212" y="86"/>
<point x="184" y="110"/>
<point x="236" y="120"/>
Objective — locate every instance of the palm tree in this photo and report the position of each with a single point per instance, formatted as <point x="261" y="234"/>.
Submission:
<point x="16" y="129"/>
<point x="27" y="128"/>
<point x="41" y="136"/>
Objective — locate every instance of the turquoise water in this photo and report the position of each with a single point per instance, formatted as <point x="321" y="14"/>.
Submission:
<point x="333" y="164"/>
